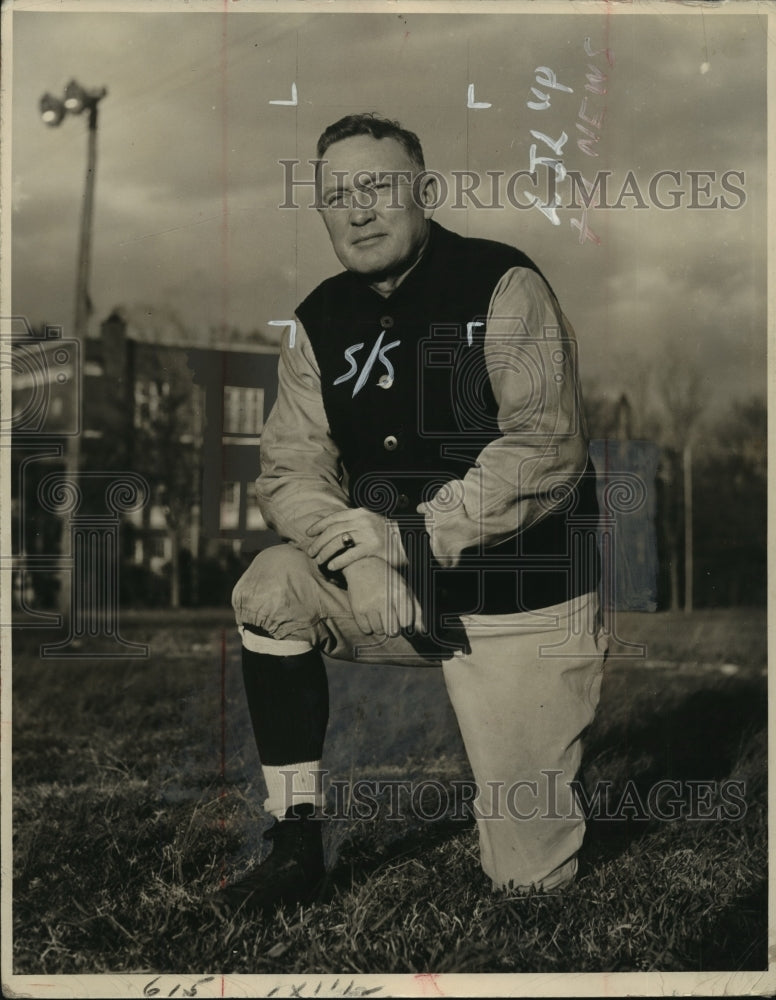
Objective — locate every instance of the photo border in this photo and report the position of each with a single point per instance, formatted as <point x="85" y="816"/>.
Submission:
<point x="536" y="985"/>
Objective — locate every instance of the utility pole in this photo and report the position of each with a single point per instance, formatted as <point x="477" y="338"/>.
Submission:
<point x="53" y="110"/>
<point x="688" y="550"/>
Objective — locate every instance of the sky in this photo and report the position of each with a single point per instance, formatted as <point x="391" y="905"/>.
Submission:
<point x="188" y="232"/>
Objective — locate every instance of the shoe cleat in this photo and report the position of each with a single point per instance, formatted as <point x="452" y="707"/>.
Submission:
<point x="293" y="873"/>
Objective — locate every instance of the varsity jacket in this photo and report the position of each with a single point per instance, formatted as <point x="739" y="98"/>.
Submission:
<point x="452" y="408"/>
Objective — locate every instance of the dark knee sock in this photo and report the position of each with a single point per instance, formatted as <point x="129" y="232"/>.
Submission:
<point x="288" y="700"/>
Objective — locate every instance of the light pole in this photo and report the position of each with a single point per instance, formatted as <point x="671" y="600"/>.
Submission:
<point x="688" y="540"/>
<point x="53" y="110"/>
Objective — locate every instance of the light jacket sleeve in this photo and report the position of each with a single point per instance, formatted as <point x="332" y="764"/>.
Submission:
<point x="301" y="472"/>
<point x="530" y="357"/>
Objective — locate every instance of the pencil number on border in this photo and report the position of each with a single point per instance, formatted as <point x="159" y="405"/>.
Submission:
<point x="150" y="990"/>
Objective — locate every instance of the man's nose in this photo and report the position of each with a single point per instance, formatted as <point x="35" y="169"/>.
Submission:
<point x="361" y="214"/>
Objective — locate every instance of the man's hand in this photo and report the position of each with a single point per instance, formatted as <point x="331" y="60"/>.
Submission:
<point x="372" y="535"/>
<point x="382" y="602"/>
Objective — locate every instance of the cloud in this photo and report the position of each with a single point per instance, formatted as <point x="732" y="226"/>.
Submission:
<point x="188" y="176"/>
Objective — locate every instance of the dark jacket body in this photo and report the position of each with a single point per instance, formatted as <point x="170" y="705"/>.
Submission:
<point x="410" y="406"/>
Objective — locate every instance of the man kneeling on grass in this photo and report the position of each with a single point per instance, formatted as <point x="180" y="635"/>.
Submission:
<point x="426" y="465"/>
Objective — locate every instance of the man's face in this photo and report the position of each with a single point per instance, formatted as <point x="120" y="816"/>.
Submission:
<point x="375" y="226"/>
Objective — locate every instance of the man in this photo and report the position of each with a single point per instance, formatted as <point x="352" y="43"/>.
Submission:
<point x="426" y="466"/>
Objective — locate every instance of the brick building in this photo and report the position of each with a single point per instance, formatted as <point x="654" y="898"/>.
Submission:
<point x="182" y="416"/>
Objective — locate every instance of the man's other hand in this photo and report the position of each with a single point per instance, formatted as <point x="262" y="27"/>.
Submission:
<point x="371" y="534"/>
<point x="382" y="602"/>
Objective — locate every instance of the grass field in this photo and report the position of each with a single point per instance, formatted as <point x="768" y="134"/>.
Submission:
<point x="137" y="790"/>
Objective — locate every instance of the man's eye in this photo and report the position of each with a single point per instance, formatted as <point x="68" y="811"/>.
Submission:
<point x="335" y="201"/>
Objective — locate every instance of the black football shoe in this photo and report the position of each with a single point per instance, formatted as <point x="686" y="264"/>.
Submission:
<point x="293" y="873"/>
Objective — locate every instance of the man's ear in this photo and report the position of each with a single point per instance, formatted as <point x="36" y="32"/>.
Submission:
<point x="427" y="192"/>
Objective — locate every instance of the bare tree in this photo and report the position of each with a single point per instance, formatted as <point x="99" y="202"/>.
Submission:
<point x="168" y="445"/>
<point x="681" y="396"/>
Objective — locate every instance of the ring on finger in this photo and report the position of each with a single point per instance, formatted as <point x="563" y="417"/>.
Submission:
<point x="347" y="540"/>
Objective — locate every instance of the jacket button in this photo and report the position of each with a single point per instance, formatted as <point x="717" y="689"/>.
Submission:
<point x="390" y="443"/>
<point x="404" y="501"/>
<point x="386" y="321"/>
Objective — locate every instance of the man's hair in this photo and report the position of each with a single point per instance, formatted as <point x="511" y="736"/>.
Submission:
<point x="370" y="123"/>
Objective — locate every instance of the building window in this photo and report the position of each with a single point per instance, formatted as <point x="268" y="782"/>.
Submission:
<point x="159" y="553"/>
<point x="156" y="516"/>
<point x="159" y="548"/>
<point x="230" y="506"/>
<point x="148" y="395"/>
<point x="243" y="410"/>
<point x="146" y="402"/>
